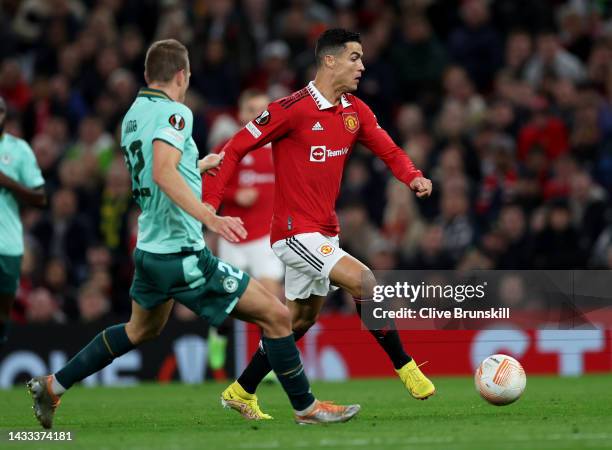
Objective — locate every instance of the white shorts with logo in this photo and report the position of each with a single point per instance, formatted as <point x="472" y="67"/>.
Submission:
<point x="255" y="257"/>
<point x="308" y="259"/>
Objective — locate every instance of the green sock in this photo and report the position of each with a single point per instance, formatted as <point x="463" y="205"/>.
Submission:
<point x="99" y="353"/>
<point x="285" y="361"/>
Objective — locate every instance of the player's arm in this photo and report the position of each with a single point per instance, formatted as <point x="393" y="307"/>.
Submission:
<point x="209" y="165"/>
<point x="272" y="124"/>
<point x="23" y="194"/>
<point x="378" y="141"/>
<point x="166" y="159"/>
<point x="233" y="193"/>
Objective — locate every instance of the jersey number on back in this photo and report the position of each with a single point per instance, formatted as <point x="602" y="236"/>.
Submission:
<point x="135" y="163"/>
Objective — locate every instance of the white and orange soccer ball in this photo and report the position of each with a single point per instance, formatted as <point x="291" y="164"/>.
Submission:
<point x="500" y="379"/>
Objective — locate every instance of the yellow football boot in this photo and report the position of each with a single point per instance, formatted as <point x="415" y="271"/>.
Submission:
<point x="419" y="386"/>
<point x="238" y="399"/>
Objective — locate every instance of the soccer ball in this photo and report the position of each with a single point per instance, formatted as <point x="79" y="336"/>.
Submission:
<point x="500" y="379"/>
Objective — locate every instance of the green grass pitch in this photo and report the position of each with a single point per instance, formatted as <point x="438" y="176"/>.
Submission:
<point x="554" y="413"/>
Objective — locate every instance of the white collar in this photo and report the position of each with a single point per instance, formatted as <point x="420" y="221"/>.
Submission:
<point x="322" y="102"/>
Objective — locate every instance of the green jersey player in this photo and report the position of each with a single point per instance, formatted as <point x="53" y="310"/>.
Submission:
<point x="171" y="258"/>
<point x="20" y="183"/>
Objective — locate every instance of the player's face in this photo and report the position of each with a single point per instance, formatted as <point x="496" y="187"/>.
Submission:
<point x="349" y="67"/>
<point x="252" y="108"/>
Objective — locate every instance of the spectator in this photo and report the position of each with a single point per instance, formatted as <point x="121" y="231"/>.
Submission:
<point x="574" y="31"/>
<point x="13" y="87"/>
<point x="459" y="88"/>
<point x="419" y="58"/>
<point x="56" y="282"/>
<point x="93" y="304"/>
<point x="43" y="308"/>
<point x="544" y="130"/>
<point x="557" y="246"/>
<point x="477" y="45"/>
<point x="513" y="227"/>
<point x="215" y="75"/>
<point x="457" y="227"/>
<point x="431" y="253"/>
<point x="65" y="234"/>
<point x="94" y="148"/>
<point x="402" y="223"/>
<point x="552" y="59"/>
<point x="588" y="205"/>
<point x="114" y="206"/>
<point x="518" y="53"/>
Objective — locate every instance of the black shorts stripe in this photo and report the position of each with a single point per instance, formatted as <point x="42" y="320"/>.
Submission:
<point x="305" y="257"/>
<point x="306" y="250"/>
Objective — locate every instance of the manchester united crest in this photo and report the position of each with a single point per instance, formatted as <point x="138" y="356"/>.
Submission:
<point x="351" y="121"/>
<point x="326" y="249"/>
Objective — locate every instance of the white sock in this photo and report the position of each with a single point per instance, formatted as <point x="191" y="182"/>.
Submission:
<point x="307" y="410"/>
<point x="56" y="387"/>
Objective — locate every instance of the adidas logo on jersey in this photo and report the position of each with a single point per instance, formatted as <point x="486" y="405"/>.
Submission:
<point x="317" y="127"/>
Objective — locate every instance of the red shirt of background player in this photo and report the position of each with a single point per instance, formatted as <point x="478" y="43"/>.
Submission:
<point x="255" y="170"/>
<point x="311" y="140"/>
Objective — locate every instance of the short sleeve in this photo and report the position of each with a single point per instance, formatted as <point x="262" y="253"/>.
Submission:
<point x="174" y="126"/>
<point x="30" y="173"/>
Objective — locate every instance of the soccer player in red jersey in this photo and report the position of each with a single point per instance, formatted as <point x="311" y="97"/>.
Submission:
<point x="312" y="132"/>
<point x="249" y="194"/>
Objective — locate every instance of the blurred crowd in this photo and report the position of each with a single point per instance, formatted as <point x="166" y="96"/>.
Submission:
<point x="505" y="104"/>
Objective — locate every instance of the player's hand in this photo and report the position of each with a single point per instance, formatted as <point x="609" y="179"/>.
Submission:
<point x="245" y="197"/>
<point x="231" y="228"/>
<point x="210" y="163"/>
<point x="422" y="186"/>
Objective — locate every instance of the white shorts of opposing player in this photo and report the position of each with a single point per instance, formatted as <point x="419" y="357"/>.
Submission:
<point x="308" y="259"/>
<point x="254" y="257"/>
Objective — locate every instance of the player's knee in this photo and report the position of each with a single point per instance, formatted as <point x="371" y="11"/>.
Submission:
<point x="281" y="315"/>
<point x="279" y="320"/>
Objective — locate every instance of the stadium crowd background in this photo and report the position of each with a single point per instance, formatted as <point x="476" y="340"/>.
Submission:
<point x="506" y="105"/>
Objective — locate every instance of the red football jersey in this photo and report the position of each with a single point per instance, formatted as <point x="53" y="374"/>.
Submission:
<point x="255" y="170"/>
<point x="311" y="140"/>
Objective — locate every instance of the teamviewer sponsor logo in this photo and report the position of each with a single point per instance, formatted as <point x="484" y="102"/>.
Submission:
<point x="317" y="153"/>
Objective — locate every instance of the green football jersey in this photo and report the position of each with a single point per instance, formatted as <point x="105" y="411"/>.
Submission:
<point x="18" y="162"/>
<point x="163" y="227"/>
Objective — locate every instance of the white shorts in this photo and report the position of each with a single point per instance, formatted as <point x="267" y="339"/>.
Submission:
<point x="254" y="257"/>
<point x="308" y="259"/>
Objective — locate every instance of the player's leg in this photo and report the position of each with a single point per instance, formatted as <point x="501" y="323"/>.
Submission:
<point x="357" y="279"/>
<point x="304" y="314"/>
<point x="10" y="269"/>
<point x="150" y="310"/>
<point x="307" y="257"/>
<point x="111" y="343"/>
<point x="217" y="338"/>
<point x="259" y="306"/>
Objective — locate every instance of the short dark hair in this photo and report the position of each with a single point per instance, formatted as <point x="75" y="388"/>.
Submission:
<point x="164" y="59"/>
<point x="333" y="41"/>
